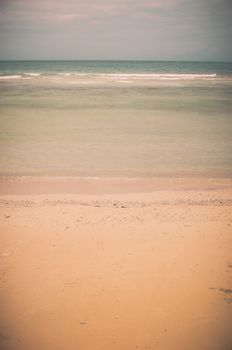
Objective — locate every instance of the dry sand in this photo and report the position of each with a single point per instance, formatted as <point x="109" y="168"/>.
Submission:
<point x="116" y="271"/>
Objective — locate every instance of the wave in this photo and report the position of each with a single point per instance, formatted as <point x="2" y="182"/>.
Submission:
<point x="32" y="74"/>
<point x="140" y="75"/>
<point x="110" y="76"/>
<point x="6" y="77"/>
<point x="19" y="76"/>
<point x="157" y="76"/>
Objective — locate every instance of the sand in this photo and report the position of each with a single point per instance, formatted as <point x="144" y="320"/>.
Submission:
<point x="116" y="270"/>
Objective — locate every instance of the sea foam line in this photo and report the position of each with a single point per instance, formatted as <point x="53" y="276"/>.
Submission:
<point x="6" y="77"/>
<point x="139" y="75"/>
<point x="32" y="74"/>
<point x="110" y="76"/>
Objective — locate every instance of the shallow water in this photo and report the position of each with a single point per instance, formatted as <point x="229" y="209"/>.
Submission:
<point x="115" y="119"/>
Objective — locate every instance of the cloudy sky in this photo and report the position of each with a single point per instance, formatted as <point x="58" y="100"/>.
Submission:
<point x="116" y="29"/>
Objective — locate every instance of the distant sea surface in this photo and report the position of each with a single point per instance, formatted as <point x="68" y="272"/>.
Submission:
<point x="116" y="118"/>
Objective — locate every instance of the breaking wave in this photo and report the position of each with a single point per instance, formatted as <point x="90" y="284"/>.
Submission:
<point x="109" y="76"/>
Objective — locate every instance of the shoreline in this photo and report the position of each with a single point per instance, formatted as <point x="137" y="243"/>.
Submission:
<point x="29" y="185"/>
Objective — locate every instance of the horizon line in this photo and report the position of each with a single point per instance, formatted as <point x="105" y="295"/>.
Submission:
<point x="114" y="60"/>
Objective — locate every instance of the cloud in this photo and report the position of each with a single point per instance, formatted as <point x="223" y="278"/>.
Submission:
<point x="57" y="11"/>
<point x="153" y="28"/>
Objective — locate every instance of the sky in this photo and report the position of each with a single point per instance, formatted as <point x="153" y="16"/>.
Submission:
<point x="116" y="29"/>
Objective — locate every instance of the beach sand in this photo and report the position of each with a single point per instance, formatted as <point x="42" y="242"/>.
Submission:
<point x="102" y="271"/>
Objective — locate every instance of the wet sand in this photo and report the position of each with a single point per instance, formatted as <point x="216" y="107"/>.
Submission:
<point x="116" y="270"/>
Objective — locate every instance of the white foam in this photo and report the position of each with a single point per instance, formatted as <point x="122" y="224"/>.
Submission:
<point x="118" y="77"/>
<point x="32" y="74"/>
<point x="7" y="77"/>
<point x="156" y="76"/>
<point x="64" y="74"/>
<point x="70" y="74"/>
<point x="140" y="76"/>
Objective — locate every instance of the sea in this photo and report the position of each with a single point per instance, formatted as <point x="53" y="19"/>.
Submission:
<point x="115" y="118"/>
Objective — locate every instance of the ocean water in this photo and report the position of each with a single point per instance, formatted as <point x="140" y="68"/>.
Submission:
<point x="116" y="118"/>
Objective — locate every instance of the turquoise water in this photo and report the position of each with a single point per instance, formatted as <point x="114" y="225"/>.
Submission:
<point x="117" y="118"/>
<point x="54" y="67"/>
